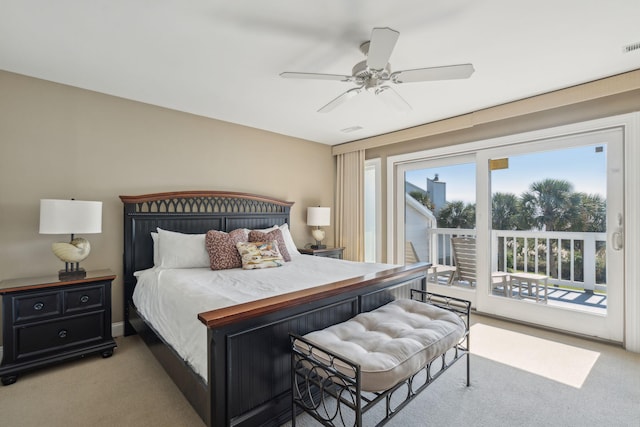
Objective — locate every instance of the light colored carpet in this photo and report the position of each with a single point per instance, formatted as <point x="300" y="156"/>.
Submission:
<point x="128" y="389"/>
<point x="516" y="380"/>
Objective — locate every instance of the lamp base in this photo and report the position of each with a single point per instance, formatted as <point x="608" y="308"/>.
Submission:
<point x="318" y="246"/>
<point x="64" y="275"/>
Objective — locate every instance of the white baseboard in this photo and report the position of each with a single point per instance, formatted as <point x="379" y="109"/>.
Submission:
<point x="117" y="329"/>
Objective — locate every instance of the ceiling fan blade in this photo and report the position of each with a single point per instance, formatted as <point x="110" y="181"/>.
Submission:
<point x="392" y="98"/>
<point x="340" y="100"/>
<point x="382" y="42"/>
<point x="448" y="72"/>
<point x="317" y="76"/>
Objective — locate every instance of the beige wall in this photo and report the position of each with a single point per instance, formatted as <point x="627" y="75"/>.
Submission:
<point x="62" y="142"/>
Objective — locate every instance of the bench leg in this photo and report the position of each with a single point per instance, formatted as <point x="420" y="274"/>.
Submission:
<point x="468" y="369"/>
<point x="468" y="359"/>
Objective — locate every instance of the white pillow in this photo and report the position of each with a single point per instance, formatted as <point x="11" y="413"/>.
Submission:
<point x="156" y="249"/>
<point x="179" y="250"/>
<point x="288" y="240"/>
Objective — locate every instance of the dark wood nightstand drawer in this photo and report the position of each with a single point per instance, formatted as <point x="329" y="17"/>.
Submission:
<point x="33" y="307"/>
<point x="337" y="254"/>
<point x="88" y="298"/>
<point x="34" y="340"/>
<point x="46" y="320"/>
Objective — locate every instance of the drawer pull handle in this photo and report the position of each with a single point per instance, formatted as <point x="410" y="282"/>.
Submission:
<point x="62" y="333"/>
<point x="84" y="299"/>
<point x="38" y="306"/>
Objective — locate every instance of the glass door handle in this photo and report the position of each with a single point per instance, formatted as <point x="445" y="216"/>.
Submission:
<point x="617" y="237"/>
<point x="617" y="240"/>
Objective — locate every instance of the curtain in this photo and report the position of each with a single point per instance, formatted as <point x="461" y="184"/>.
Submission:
<point x="350" y="205"/>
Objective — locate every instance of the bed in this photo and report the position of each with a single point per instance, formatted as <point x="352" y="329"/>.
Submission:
<point x="246" y="381"/>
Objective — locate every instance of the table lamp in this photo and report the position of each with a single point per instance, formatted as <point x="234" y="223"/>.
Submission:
<point x="318" y="217"/>
<point x="71" y="217"/>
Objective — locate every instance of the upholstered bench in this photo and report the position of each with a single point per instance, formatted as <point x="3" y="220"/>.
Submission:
<point x="377" y="352"/>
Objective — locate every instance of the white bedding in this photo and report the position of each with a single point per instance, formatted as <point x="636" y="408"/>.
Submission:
<point x="170" y="299"/>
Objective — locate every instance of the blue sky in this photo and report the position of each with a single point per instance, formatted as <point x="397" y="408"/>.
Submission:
<point x="581" y="166"/>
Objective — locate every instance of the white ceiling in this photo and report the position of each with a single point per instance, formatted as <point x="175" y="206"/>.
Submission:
<point x="222" y="59"/>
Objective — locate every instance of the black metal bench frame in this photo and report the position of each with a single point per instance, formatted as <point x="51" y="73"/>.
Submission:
<point x="336" y="399"/>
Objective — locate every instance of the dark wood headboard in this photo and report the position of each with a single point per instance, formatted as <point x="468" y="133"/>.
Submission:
<point x="192" y="212"/>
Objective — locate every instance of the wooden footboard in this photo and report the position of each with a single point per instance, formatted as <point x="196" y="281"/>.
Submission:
<point x="249" y="349"/>
<point x="240" y="312"/>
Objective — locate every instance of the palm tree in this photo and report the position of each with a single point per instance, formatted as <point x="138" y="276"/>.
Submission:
<point x="552" y="205"/>
<point x="549" y="205"/>
<point x="423" y="198"/>
<point x="457" y="215"/>
<point x="590" y="213"/>
<point x="505" y="211"/>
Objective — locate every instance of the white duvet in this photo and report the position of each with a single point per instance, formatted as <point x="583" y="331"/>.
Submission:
<point x="170" y="299"/>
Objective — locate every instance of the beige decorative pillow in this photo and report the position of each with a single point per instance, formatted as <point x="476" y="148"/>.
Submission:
<point x="260" y="255"/>
<point x="259" y="236"/>
<point x="222" y="250"/>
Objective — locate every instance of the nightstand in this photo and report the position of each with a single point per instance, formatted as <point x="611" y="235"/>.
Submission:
<point x="328" y="252"/>
<point x="46" y="321"/>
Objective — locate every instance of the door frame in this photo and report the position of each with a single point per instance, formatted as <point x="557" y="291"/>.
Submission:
<point x="609" y="326"/>
<point x="630" y="123"/>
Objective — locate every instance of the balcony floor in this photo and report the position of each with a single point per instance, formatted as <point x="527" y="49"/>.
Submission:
<point x="571" y="299"/>
<point x="574" y="300"/>
<point x="587" y="301"/>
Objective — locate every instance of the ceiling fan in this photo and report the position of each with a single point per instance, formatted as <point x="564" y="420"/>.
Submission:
<point x="374" y="74"/>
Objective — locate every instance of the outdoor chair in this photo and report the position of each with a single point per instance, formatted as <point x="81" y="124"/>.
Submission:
<point x="464" y="257"/>
<point x="435" y="271"/>
<point x="410" y="254"/>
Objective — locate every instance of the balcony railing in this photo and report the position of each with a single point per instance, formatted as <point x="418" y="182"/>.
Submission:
<point x="570" y="259"/>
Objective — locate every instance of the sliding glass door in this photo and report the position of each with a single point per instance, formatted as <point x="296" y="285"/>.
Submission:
<point x="555" y="232"/>
<point x="525" y="228"/>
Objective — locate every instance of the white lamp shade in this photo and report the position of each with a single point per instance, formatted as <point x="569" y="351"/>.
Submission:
<point x="317" y="216"/>
<point x="70" y="217"/>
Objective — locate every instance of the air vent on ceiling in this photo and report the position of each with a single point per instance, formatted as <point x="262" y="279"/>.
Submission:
<point x="631" y="47"/>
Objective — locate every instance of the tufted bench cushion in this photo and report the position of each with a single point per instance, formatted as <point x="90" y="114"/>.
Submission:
<point x="392" y="342"/>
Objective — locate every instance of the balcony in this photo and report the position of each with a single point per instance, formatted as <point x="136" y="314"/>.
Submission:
<point x="574" y="262"/>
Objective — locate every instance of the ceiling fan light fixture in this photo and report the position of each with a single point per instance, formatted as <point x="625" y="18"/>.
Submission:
<point x="374" y="73"/>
